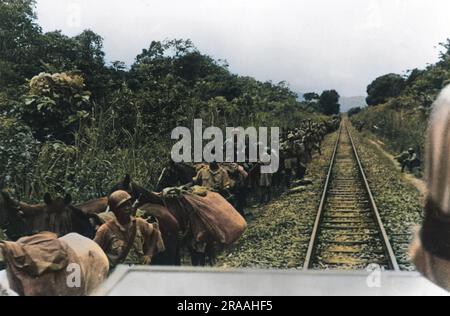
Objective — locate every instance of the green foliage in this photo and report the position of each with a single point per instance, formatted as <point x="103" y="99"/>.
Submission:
<point x="427" y="84"/>
<point x="175" y="81"/>
<point x="329" y="102"/>
<point x="18" y="152"/>
<point x="398" y="125"/>
<point x="19" y="41"/>
<point x="445" y="54"/>
<point x="384" y="88"/>
<point x="354" y="111"/>
<point x="99" y="159"/>
<point x="55" y="106"/>
<point x="311" y="96"/>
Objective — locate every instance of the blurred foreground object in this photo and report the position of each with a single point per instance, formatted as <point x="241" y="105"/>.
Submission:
<point x="179" y="281"/>
<point x="45" y="265"/>
<point x="431" y="249"/>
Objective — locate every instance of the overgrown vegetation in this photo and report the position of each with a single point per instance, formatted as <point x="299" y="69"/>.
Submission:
<point x="400" y="105"/>
<point x="354" y="111"/>
<point x="72" y="122"/>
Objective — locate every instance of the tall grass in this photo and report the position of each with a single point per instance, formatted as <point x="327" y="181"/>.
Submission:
<point x="100" y="157"/>
<point x="102" y="154"/>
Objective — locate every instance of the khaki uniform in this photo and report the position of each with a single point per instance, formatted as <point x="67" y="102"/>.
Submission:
<point x="288" y="150"/>
<point x="113" y="238"/>
<point x="213" y="180"/>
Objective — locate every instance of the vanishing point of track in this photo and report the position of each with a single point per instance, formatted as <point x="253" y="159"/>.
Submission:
<point x="348" y="233"/>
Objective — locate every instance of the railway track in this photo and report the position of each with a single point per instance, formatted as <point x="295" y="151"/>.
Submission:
<point x="348" y="233"/>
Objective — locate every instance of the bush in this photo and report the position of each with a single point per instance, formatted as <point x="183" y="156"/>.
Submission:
<point x="354" y="111"/>
<point x="18" y="153"/>
<point x="56" y="105"/>
<point x="398" y="125"/>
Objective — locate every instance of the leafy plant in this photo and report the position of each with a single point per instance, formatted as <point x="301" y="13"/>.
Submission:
<point x="56" y="105"/>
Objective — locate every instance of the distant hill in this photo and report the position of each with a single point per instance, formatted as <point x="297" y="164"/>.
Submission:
<point x="352" y="102"/>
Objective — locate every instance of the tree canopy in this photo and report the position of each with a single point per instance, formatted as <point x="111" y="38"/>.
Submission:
<point x="329" y="102"/>
<point x="384" y="88"/>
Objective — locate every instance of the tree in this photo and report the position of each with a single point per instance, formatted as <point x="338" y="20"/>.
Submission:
<point x="413" y="76"/>
<point x="354" y="111"/>
<point x="445" y="55"/>
<point x="311" y="96"/>
<point x="384" y="88"/>
<point x="90" y="61"/>
<point x="19" y="41"/>
<point x="329" y="102"/>
<point x="58" y="53"/>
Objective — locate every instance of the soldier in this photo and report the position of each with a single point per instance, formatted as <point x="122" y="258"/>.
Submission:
<point x="323" y="132"/>
<point x="290" y="161"/>
<point x="411" y="162"/>
<point x="238" y="177"/>
<point x="265" y="184"/>
<point x="126" y="239"/>
<point x="214" y="178"/>
<point x="300" y="153"/>
<point x="316" y="142"/>
<point x="308" y="145"/>
<point x="402" y="157"/>
<point x="238" y="148"/>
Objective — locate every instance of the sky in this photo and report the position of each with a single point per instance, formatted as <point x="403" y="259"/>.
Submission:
<point x="314" y="45"/>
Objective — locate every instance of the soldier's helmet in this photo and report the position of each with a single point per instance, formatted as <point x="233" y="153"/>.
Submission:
<point x="411" y="150"/>
<point x="117" y="199"/>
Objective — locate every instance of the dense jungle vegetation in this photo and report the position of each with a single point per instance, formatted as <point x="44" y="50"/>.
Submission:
<point x="71" y="121"/>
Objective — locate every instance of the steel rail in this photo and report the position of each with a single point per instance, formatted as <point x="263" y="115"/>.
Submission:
<point x="312" y="248"/>
<point x="312" y="244"/>
<point x="392" y="260"/>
